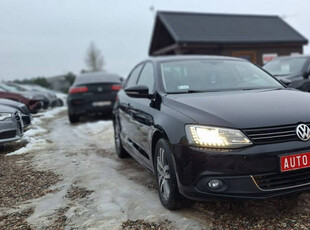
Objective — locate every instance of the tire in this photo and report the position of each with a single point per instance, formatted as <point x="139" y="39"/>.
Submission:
<point x="73" y="118"/>
<point x="168" y="191"/>
<point x="119" y="149"/>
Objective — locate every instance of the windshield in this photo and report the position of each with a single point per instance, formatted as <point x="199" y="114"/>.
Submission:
<point x="288" y="66"/>
<point x="9" y="88"/>
<point x="214" y="75"/>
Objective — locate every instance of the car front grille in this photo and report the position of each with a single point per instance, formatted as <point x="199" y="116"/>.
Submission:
<point x="8" y="134"/>
<point x="277" y="181"/>
<point x="272" y="134"/>
<point x="19" y="122"/>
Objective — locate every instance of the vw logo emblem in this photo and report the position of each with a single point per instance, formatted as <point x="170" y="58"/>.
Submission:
<point x="100" y="89"/>
<point x="303" y="132"/>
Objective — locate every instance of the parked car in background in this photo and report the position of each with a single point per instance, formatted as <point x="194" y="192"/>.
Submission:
<point x="93" y="93"/>
<point x="33" y="105"/>
<point x="11" y="124"/>
<point x="22" y="108"/>
<point x="293" y="68"/>
<point x="13" y="88"/>
<point x="53" y="100"/>
<point x="214" y="127"/>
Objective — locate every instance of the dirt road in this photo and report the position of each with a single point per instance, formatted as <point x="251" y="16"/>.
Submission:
<point x="73" y="180"/>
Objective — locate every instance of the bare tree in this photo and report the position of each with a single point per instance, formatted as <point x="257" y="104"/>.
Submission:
<point x="94" y="58"/>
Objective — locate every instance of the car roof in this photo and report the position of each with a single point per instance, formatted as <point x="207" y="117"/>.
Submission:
<point x="7" y="102"/>
<point x="292" y="57"/>
<point x="188" y="57"/>
<point x="98" y="77"/>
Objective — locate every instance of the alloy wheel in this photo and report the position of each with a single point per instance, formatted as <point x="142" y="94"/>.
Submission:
<point x="163" y="174"/>
<point x="116" y="135"/>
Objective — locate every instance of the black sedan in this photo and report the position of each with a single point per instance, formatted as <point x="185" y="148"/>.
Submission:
<point x="93" y="93"/>
<point x="214" y="127"/>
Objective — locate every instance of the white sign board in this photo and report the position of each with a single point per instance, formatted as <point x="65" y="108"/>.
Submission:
<point x="269" y="57"/>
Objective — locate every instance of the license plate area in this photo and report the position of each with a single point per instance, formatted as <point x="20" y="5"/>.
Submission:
<point x="101" y="103"/>
<point x="295" y="161"/>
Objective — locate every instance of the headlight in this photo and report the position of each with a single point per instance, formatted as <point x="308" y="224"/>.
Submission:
<point x="213" y="137"/>
<point x="4" y="116"/>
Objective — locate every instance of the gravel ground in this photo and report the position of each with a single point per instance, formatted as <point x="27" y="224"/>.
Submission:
<point x="276" y="213"/>
<point x="142" y="225"/>
<point x="76" y="193"/>
<point x="16" y="220"/>
<point x="11" y="147"/>
<point x="22" y="182"/>
<point x="19" y="182"/>
<point x="61" y="218"/>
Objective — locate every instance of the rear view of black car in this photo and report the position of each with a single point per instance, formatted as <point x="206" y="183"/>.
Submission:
<point x="214" y="127"/>
<point x="93" y="93"/>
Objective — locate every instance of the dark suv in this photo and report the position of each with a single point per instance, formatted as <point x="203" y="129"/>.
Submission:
<point x="92" y="93"/>
<point x="214" y="127"/>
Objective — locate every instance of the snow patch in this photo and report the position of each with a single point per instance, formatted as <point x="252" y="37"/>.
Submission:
<point x="34" y="135"/>
<point x="102" y="131"/>
<point x="51" y="113"/>
<point x="63" y="97"/>
<point x="34" y="139"/>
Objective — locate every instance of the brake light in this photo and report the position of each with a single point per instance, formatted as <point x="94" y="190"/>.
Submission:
<point x="116" y="87"/>
<point x="81" y="89"/>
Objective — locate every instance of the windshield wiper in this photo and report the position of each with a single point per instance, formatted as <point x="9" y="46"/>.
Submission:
<point x="192" y="91"/>
<point x="252" y="88"/>
<point x="261" y="89"/>
<point x="279" y="75"/>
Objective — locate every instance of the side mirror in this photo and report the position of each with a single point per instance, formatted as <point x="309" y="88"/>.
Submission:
<point x="138" y="91"/>
<point x="306" y="75"/>
<point x="285" y="81"/>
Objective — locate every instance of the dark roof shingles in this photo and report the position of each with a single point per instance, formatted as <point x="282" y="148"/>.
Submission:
<point x="225" y="28"/>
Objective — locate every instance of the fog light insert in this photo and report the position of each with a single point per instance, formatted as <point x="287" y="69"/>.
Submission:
<point x="215" y="184"/>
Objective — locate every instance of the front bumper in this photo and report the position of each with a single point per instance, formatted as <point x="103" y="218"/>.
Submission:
<point x="85" y="108"/>
<point x="26" y="119"/>
<point x="242" y="171"/>
<point x="9" y="131"/>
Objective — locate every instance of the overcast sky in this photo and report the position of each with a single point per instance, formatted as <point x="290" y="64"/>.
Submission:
<point x="50" y="37"/>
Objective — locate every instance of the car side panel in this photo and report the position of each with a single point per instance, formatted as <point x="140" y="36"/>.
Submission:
<point x="139" y="125"/>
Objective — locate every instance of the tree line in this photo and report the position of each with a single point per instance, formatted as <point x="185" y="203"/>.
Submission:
<point x="94" y="62"/>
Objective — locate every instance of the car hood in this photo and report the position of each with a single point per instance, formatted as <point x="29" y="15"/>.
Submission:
<point x="10" y="103"/>
<point x="16" y="105"/>
<point x="6" y="109"/>
<point x="33" y="95"/>
<point x="244" y="109"/>
<point x="279" y="77"/>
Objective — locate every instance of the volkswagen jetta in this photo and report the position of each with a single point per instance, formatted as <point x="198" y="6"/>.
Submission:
<point x="214" y="127"/>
